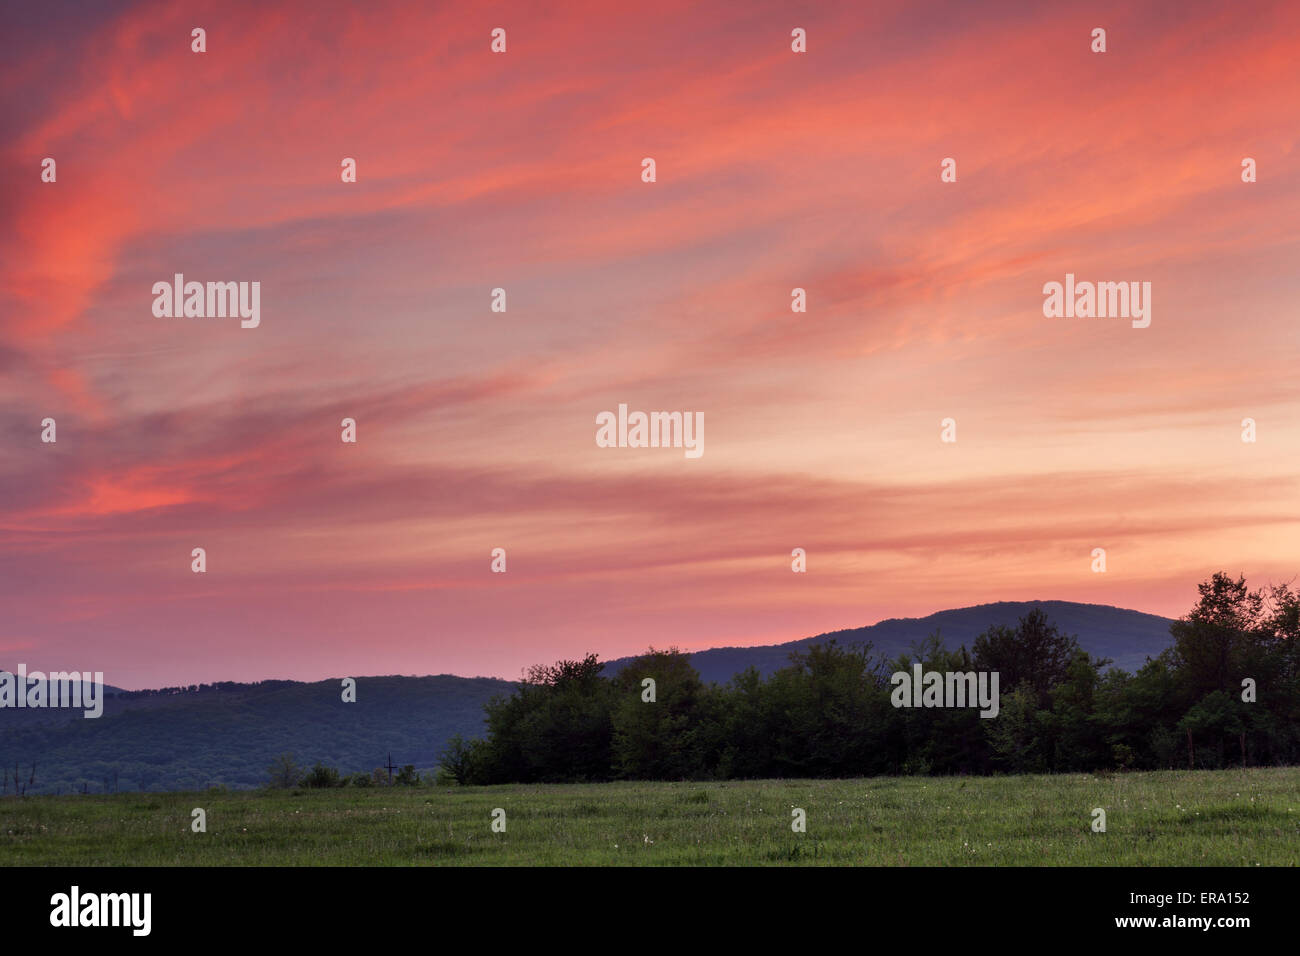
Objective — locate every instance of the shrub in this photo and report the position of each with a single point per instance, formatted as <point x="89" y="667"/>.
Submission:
<point x="285" y="772"/>
<point x="321" y="776"/>
<point x="445" y="778"/>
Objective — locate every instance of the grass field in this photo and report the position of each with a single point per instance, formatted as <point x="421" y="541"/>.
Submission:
<point x="1226" y="817"/>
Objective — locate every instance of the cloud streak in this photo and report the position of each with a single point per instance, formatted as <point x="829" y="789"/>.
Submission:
<point x="476" y="429"/>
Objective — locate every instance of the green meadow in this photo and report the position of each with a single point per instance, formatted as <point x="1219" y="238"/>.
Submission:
<point x="1219" y="818"/>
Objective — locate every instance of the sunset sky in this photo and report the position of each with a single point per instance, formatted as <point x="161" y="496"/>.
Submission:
<point x="476" y="429"/>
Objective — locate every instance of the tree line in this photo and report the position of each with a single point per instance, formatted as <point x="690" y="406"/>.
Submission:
<point x="1226" y="692"/>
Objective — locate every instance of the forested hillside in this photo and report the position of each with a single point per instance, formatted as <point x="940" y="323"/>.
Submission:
<point x="229" y="734"/>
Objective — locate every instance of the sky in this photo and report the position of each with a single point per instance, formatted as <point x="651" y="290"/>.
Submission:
<point x="476" y="429"/>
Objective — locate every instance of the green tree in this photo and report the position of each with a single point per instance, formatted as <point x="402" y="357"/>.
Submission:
<point x="1219" y="637"/>
<point x="285" y="772"/>
<point x="1016" y="734"/>
<point x="1214" y="717"/>
<point x="1034" y="654"/>
<point x="463" y="759"/>
<point x="943" y="739"/>
<point x="1134" y="714"/>
<point x="555" y="727"/>
<point x="1235" y="637"/>
<point x="1072" y="726"/>
<point x="664" y="738"/>
<point x="321" y="776"/>
<point x="827" y="711"/>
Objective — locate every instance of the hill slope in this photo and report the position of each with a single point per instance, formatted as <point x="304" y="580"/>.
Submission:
<point x="228" y="734"/>
<point x="1127" y="637"/>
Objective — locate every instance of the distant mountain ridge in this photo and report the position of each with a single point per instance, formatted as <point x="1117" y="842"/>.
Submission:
<point x="1126" y="637"/>
<point x="228" y="733"/>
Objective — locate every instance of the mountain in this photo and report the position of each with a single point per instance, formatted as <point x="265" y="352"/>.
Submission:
<point x="227" y="734"/>
<point x="1127" y="637"/>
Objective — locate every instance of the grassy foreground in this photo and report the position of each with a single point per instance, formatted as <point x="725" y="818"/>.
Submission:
<point x="1226" y="817"/>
